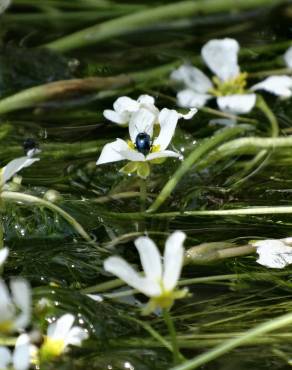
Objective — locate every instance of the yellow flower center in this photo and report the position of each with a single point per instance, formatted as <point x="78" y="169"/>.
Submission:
<point x="233" y="86"/>
<point x="165" y="300"/>
<point x="6" y="326"/>
<point x="52" y="348"/>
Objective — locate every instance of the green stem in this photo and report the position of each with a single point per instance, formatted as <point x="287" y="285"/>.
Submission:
<point x="203" y="254"/>
<point x="225" y="347"/>
<point x="263" y="106"/>
<point x="30" y="199"/>
<point x="143" y="194"/>
<point x="200" y="150"/>
<point x="177" y="356"/>
<point x="138" y="20"/>
<point x="263" y="155"/>
<point x="251" y="211"/>
<point x="39" y="94"/>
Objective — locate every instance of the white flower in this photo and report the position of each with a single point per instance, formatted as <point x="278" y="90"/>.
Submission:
<point x="143" y="146"/>
<point x="60" y="335"/>
<point x="15" y="309"/>
<point x="228" y="85"/>
<point x="14" y="166"/>
<point x="125" y="108"/>
<point x="274" y="253"/>
<point x="278" y="85"/>
<point x="3" y="255"/>
<point x="21" y="356"/>
<point x="160" y="280"/>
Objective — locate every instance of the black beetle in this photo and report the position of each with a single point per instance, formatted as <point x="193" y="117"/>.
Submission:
<point x="143" y="143"/>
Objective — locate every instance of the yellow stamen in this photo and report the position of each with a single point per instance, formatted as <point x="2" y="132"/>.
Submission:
<point x="52" y="348"/>
<point x="131" y="145"/>
<point x="6" y="326"/>
<point x="233" y="86"/>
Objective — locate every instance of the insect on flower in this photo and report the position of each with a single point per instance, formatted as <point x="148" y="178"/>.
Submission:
<point x="144" y="146"/>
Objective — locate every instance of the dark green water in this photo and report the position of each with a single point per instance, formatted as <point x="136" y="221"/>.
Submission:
<point x="71" y="131"/>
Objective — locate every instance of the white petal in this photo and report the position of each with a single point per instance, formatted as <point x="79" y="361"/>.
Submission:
<point x="95" y="297"/>
<point x="112" y="152"/>
<point x="273" y="253"/>
<point x="278" y="85"/>
<point x="21" y="355"/>
<point x="162" y="154"/>
<point x="288" y="57"/>
<point x="150" y="258"/>
<point x="61" y="328"/>
<point x="133" y="155"/>
<point x="119" y="118"/>
<point x="237" y="104"/>
<point x="5" y="302"/>
<point x="3" y="255"/>
<point x="22" y="298"/>
<point x="141" y="121"/>
<point x="190" y="114"/>
<point x="4" y="4"/>
<point x="221" y="57"/>
<point x="168" y="119"/>
<point x="188" y="98"/>
<point x="125" y="104"/>
<point x="75" y="336"/>
<point x="192" y="78"/>
<point x="16" y="165"/>
<point x="173" y="259"/>
<point x="146" y="99"/>
<point x="125" y="272"/>
<point x="5" y="357"/>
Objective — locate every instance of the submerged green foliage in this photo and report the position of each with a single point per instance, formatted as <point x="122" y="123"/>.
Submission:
<point x="229" y="168"/>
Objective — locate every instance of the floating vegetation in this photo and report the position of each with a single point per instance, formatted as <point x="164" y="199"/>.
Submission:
<point x="194" y="99"/>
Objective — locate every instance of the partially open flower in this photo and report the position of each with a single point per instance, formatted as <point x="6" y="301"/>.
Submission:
<point x="160" y="280"/>
<point x="15" y="309"/>
<point x="14" y="166"/>
<point x="229" y="85"/>
<point x="20" y="358"/>
<point x="274" y="253"/>
<point x="60" y="335"/>
<point x="125" y="108"/>
<point x="143" y="147"/>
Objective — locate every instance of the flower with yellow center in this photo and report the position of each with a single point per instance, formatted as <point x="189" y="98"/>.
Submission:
<point x="142" y="122"/>
<point x="15" y="309"/>
<point x="228" y="86"/>
<point x="60" y="335"/>
<point x="160" y="280"/>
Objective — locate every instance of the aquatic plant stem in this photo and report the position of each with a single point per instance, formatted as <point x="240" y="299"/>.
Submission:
<point x="263" y="155"/>
<point x="32" y="200"/>
<point x="200" y="150"/>
<point x="266" y="327"/>
<point x="138" y="20"/>
<point x="143" y="194"/>
<point x="209" y="253"/>
<point x="177" y="356"/>
<point x="39" y="94"/>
